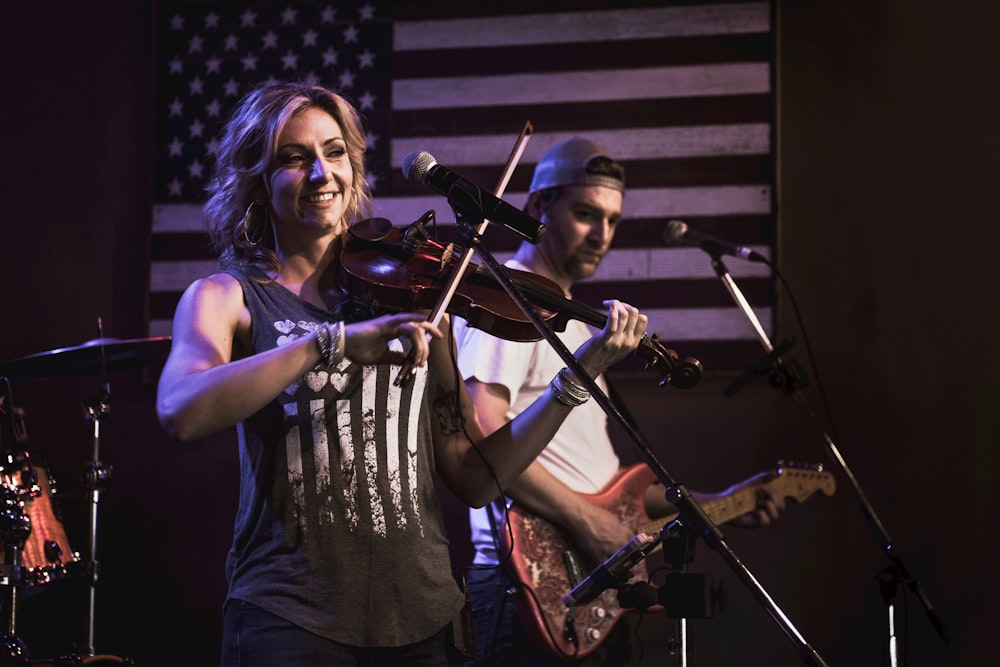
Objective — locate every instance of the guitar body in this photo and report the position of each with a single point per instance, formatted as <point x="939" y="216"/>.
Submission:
<point x="547" y="564"/>
<point x="546" y="557"/>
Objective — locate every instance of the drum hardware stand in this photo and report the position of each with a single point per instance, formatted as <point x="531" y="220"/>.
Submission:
<point x="15" y="532"/>
<point x="67" y="362"/>
<point x="96" y="477"/>
<point x="15" y="529"/>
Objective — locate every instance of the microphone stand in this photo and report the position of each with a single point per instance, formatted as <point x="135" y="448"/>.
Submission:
<point x="689" y="511"/>
<point x="896" y="572"/>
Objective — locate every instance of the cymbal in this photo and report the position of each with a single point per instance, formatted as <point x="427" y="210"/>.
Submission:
<point x="85" y="360"/>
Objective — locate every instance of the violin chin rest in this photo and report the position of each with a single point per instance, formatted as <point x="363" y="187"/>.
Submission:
<point x="372" y="229"/>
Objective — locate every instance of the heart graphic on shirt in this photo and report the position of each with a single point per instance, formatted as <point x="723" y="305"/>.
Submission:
<point x="316" y="380"/>
<point x="339" y="378"/>
<point x="285" y="326"/>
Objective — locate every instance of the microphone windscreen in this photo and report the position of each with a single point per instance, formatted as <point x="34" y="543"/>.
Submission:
<point x="416" y="164"/>
<point x="673" y="233"/>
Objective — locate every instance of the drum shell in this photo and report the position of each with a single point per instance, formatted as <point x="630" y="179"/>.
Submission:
<point x="46" y="554"/>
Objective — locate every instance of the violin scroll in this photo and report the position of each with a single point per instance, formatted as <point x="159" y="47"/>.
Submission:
<point x="683" y="374"/>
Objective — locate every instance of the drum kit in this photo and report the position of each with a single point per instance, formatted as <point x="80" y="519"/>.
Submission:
<point x="35" y="547"/>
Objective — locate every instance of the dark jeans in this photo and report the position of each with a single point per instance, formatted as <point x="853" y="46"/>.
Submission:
<point x="501" y="639"/>
<point x="252" y="637"/>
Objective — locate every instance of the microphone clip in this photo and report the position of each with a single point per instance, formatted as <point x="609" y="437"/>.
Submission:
<point x="612" y="573"/>
<point x="781" y="373"/>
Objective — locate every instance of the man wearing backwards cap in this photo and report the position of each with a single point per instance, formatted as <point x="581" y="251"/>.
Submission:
<point x="577" y="191"/>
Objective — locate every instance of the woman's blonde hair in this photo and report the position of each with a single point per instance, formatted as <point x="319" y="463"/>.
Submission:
<point x="239" y="227"/>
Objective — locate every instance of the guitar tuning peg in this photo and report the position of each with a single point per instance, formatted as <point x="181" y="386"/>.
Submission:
<point x="799" y="465"/>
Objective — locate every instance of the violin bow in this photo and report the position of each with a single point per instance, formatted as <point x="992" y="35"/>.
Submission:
<point x="444" y="300"/>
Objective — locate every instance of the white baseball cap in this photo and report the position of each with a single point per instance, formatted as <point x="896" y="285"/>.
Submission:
<point x="566" y="164"/>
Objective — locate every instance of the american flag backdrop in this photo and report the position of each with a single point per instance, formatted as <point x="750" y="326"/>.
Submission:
<point x="681" y="92"/>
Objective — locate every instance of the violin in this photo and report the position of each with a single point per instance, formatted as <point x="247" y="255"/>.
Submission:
<point x="394" y="269"/>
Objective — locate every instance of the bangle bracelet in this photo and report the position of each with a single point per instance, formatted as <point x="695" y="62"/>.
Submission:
<point x="568" y="391"/>
<point x="573" y="387"/>
<point x="331" y="341"/>
<point x="338" y="344"/>
<point x="323" y="343"/>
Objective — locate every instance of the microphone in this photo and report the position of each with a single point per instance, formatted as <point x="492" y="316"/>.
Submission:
<point x="678" y="233"/>
<point x="614" y="571"/>
<point x="468" y="198"/>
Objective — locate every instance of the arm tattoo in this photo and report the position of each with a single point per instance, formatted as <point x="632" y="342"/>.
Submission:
<point x="445" y="408"/>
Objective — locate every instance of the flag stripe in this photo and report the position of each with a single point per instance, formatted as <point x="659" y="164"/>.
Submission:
<point x="680" y="92"/>
<point x="579" y="87"/>
<point x="664" y="114"/>
<point x="623" y="24"/>
<point x="631" y="266"/>
<point x="661" y="204"/>
<point x="645" y="174"/>
<point x="575" y="57"/>
<point x="678" y="292"/>
<point x="178" y="244"/>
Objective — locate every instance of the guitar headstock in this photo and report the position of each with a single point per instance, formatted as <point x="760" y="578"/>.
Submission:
<point x="801" y="480"/>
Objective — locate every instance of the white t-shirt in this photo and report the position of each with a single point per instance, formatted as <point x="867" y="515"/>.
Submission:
<point x="581" y="454"/>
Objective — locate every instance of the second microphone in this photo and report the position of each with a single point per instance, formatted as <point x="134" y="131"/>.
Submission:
<point x="468" y="198"/>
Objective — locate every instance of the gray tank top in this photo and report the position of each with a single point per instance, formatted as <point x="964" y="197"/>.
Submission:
<point x="339" y="527"/>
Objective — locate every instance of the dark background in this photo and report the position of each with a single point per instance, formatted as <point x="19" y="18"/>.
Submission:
<point x="887" y="153"/>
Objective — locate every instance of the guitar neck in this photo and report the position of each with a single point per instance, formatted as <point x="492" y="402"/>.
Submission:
<point x="797" y="484"/>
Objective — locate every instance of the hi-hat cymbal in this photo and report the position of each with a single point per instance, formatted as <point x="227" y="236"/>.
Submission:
<point x="86" y="359"/>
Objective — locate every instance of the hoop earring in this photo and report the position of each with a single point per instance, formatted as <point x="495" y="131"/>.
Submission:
<point x="245" y="222"/>
<point x="355" y="207"/>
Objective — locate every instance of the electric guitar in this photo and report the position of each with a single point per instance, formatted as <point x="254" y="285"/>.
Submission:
<point x="547" y="563"/>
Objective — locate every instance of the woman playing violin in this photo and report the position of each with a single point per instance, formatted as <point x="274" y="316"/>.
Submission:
<point x="339" y="553"/>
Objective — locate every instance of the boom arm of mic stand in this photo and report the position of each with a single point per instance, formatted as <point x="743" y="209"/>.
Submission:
<point x="896" y="567"/>
<point x="734" y="291"/>
<point x="689" y="510"/>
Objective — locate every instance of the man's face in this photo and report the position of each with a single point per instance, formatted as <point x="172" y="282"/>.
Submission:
<point x="579" y="226"/>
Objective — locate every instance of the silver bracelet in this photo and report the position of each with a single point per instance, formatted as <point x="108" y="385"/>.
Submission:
<point x="331" y="341"/>
<point x="323" y="342"/>
<point x="567" y="391"/>
<point x="338" y="344"/>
